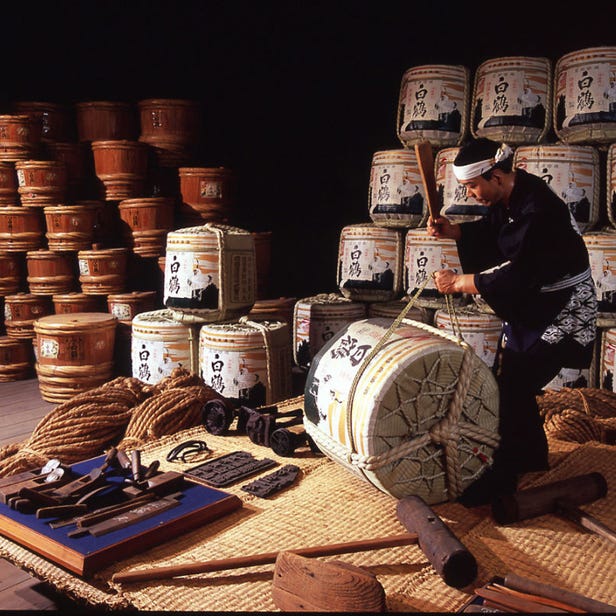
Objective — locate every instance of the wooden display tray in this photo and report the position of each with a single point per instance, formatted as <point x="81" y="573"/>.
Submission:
<point x="85" y="555"/>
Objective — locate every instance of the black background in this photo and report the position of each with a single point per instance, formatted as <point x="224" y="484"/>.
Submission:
<point x="297" y="96"/>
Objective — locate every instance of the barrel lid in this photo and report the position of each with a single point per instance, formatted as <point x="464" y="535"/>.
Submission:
<point x="101" y="252"/>
<point x="74" y="321"/>
<point x="153" y="102"/>
<point x="208" y="229"/>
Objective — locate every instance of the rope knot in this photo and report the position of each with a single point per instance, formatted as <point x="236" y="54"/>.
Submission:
<point x="444" y="431"/>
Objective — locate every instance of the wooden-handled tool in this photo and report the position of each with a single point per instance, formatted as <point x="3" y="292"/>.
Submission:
<point x="425" y="162"/>
<point x="162" y="573"/>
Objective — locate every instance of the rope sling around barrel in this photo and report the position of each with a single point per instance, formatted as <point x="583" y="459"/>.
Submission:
<point x="404" y="405"/>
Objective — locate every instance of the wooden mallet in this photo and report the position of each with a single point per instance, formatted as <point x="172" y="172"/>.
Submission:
<point x="425" y="162"/>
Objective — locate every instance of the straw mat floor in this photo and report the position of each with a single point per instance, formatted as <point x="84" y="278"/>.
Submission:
<point x="329" y="505"/>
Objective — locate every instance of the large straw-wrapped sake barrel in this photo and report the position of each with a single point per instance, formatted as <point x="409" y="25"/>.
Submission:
<point x="512" y="99"/>
<point x="607" y="359"/>
<point x="572" y="172"/>
<point x="210" y="273"/>
<point x="413" y="410"/>
<point x="601" y="247"/>
<point x="391" y="310"/>
<point x="433" y="105"/>
<point x="248" y="362"/>
<point x="610" y="195"/>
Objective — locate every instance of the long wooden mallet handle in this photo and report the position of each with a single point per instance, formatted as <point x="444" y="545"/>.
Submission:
<point x="425" y="162"/>
<point x="162" y="573"/>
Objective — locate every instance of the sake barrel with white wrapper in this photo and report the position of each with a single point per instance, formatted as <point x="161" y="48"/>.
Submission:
<point x="247" y="361"/>
<point x="607" y="360"/>
<point x="210" y="273"/>
<point x="481" y="330"/>
<point x="370" y="262"/>
<point x="412" y="410"/>
<point x="433" y="105"/>
<point x="512" y="99"/>
<point x="396" y="195"/>
<point x="572" y="172"/>
<point x="390" y="310"/>
<point x="74" y="353"/>
<point x="611" y="184"/>
<point x="317" y="318"/>
<point x="601" y="246"/>
<point x="585" y="96"/>
<point x="454" y="202"/>
<point x="423" y="255"/>
<point x="159" y="344"/>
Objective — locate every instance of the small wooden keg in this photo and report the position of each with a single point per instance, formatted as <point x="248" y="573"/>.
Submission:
<point x="16" y="359"/>
<point x="74" y="353"/>
<point x="21" y="228"/>
<point x="8" y="185"/>
<point x="51" y="272"/>
<point x="20" y="137"/>
<point x="11" y="272"/>
<point x="122" y="168"/>
<point x="57" y="121"/>
<point x="65" y="303"/>
<point x="70" y="227"/>
<point x="207" y="192"/>
<point x="21" y="310"/>
<point x="41" y="182"/>
<point x="79" y="162"/>
<point x="126" y="306"/>
<point x="106" y="120"/>
<point x="147" y="221"/>
<point x="103" y="271"/>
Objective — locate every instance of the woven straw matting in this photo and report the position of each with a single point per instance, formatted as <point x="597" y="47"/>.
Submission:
<point x="328" y="504"/>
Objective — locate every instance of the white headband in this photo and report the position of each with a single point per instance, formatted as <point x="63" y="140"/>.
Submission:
<point x="473" y="170"/>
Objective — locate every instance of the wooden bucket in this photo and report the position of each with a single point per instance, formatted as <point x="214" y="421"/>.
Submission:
<point x="423" y="255"/>
<point x="8" y="185"/>
<point x="21" y="228"/>
<point x="396" y="197"/>
<point x="316" y="319"/>
<point x="106" y="121"/>
<point x="512" y="99"/>
<point x="481" y="330"/>
<point x="74" y="353"/>
<point x="147" y="222"/>
<point x="11" y="272"/>
<point x="41" y="182"/>
<point x="263" y="256"/>
<point x="210" y="273"/>
<point x="391" y="310"/>
<point x="207" y="192"/>
<point x="20" y="137"/>
<point x="103" y="271"/>
<point x="453" y="201"/>
<point x="70" y="227"/>
<point x="585" y="96"/>
<point x="79" y="163"/>
<point x="601" y="247"/>
<point x="69" y="303"/>
<point x="572" y="172"/>
<point x="611" y="184"/>
<point x="247" y="362"/>
<point x="122" y="168"/>
<point x="16" y="359"/>
<point x="172" y="127"/>
<point x="126" y="306"/>
<point x="159" y="344"/>
<point x="433" y="105"/>
<point x="381" y="403"/>
<point x="21" y="310"/>
<point x="370" y="262"/>
<point x="51" y="272"/>
<point x="56" y="121"/>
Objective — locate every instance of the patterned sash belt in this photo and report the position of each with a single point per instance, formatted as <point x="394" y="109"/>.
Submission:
<point x="566" y="283"/>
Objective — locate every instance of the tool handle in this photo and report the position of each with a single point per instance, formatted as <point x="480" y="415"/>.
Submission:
<point x="425" y="162"/>
<point x="585" y="520"/>
<point x="451" y="560"/>
<point x="162" y="573"/>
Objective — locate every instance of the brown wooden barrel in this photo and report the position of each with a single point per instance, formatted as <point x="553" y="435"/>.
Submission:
<point x="21" y="228"/>
<point x="105" y="120"/>
<point x="57" y="121"/>
<point x="41" y="182"/>
<point x="70" y="227"/>
<point x="125" y="306"/>
<point x="207" y="192"/>
<point x="103" y="271"/>
<point x="66" y="303"/>
<point x="146" y="224"/>
<point x="51" y="272"/>
<point x="122" y="168"/>
<point x="20" y="137"/>
<point x="8" y="185"/>
<point x="11" y="272"/>
<point x="21" y="310"/>
<point x="74" y="353"/>
<point x="16" y="359"/>
<point x="172" y="127"/>
<point x="79" y="163"/>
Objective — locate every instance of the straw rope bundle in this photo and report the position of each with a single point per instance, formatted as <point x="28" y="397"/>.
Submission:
<point x="578" y="414"/>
